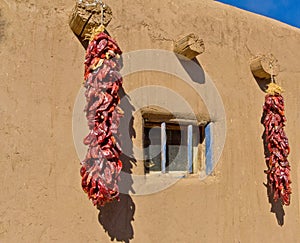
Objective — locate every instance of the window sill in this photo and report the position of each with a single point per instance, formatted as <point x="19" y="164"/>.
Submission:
<point x="170" y="174"/>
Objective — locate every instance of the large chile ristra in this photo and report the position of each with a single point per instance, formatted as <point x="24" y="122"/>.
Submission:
<point x="277" y="148"/>
<point x="101" y="167"/>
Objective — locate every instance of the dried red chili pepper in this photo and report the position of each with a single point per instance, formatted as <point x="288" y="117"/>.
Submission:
<point x="277" y="145"/>
<point x="101" y="167"/>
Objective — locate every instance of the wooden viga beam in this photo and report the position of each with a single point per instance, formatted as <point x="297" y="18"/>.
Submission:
<point x="85" y="16"/>
<point x="189" y="46"/>
<point x="264" y="66"/>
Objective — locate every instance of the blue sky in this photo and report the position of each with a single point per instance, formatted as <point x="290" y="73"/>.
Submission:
<point x="287" y="11"/>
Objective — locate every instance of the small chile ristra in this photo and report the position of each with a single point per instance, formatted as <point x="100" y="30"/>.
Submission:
<point x="277" y="146"/>
<point x="100" y="170"/>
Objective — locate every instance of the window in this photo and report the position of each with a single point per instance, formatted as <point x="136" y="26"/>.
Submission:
<point x="172" y="147"/>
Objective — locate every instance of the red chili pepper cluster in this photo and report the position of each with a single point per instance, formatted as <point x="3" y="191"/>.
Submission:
<point x="101" y="168"/>
<point x="277" y="148"/>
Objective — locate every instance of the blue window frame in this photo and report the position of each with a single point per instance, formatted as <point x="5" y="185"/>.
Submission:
<point x="209" y="163"/>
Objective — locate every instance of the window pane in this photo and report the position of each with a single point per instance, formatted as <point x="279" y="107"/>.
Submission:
<point x="177" y="149"/>
<point x="152" y="145"/>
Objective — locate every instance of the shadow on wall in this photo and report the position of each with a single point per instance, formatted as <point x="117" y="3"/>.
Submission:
<point x="263" y="83"/>
<point x="116" y="217"/>
<point x="276" y="207"/>
<point x="2" y="24"/>
<point x="193" y="69"/>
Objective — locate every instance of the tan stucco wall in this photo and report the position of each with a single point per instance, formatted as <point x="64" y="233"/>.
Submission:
<point x="41" y="72"/>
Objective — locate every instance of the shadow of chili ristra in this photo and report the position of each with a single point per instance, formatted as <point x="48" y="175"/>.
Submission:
<point x="2" y="26"/>
<point x="116" y="217"/>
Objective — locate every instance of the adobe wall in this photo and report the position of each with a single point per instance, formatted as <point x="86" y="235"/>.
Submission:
<point x="41" y="72"/>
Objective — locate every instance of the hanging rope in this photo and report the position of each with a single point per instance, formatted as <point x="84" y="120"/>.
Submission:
<point x="272" y="72"/>
<point x="102" y="13"/>
<point x="273" y="88"/>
